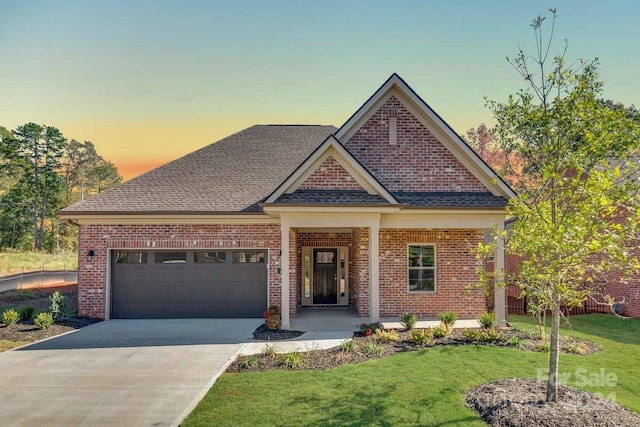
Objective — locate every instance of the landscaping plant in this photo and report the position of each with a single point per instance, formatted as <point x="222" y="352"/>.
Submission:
<point x="421" y="336"/>
<point x="487" y="320"/>
<point x="26" y="312"/>
<point x="43" y="320"/>
<point x="408" y="321"/>
<point x="272" y="318"/>
<point x="10" y="317"/>
<point x="58" y="306"/>
<point x="448" y="318"/>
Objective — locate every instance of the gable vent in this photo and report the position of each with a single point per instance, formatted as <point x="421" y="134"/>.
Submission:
<point x="393" y="127"/>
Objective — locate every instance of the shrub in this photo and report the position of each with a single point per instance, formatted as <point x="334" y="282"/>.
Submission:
<point x="272" y="318"/>
<point x="58" y="306"/>
<point x="441" y="331"/>
<point x="382" y="335"/>
<point x="408" y="320"/>
<point x="369" y="328"/>
<point x="448" y="318"/>
<point x="247" y="362"/>
<point x="348" y="346"/>
<point x="515" y="342"/>
<point x="421" y="336"/>
<point x="294" y="360"/>
<point x="491" y="334"/>
<point x="26" y="312"/>
<point x="372" y="349"/>
<point x="270" y="350"/>
<point x="578" y="348"/>
<point x="487" y="320"/>
<point x="10" y="317"/>
<point x="471" y="334"/>
<point x="43" y="320"/>
<point x="543" y="346"/>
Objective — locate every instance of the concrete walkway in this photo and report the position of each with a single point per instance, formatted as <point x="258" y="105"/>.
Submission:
<point x="119" y="372"/>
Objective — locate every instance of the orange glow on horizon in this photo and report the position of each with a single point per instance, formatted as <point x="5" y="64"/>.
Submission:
<point x="128" y="170"/>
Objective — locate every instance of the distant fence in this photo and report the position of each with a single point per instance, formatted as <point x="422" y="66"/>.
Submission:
<point x="34" y="279"/>
<point x="519" y="305"/>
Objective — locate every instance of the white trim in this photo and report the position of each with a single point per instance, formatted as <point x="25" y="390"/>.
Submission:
<point x="443" y="220"/>
<point x="435" y="268"/>
<point x="134" y="219"/>
<point x="395" y="86"/>
<point x="331" y="147"/>
<point x="284" y="274"/>
<point x="374" y="272"/>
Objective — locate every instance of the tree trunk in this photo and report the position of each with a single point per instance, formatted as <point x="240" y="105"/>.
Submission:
<point x="552" y="382"/>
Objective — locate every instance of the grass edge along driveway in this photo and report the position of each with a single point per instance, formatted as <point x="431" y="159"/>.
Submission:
<point x="423" y="387"/>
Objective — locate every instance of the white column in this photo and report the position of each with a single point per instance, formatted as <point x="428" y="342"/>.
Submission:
<point x="374" y="272"/>
<point x="284" y="274"/>
<point x="500" y="301"/>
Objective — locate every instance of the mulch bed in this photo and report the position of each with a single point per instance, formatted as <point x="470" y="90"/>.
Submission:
<point x="265" y="334"/>
<point x="38" y="298"/>
<point x="333" y="357"/>
<point x="520" y="402"/>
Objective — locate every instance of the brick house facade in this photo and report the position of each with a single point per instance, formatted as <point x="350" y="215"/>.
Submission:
<point x="381" y="215"/>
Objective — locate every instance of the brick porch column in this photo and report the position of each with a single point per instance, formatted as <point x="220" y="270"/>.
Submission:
<point x="374" y="272"/>
<point x="500" y="289"/>
<point x="284" y="273"/>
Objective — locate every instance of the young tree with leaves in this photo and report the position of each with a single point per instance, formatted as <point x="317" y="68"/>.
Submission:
<point x="576" y="217"/>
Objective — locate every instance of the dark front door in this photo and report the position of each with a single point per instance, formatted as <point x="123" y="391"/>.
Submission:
<point x="325" y="283"/>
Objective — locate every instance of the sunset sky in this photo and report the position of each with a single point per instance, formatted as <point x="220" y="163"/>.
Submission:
<point x="149" y="81"/>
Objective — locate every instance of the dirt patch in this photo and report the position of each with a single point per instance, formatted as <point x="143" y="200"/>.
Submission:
<point x="362" y="348"/>
<point x="520" y="402"/>
<point x="38" y="298"/>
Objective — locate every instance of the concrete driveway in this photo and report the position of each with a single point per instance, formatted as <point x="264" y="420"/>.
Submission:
<point x="118" y="372"/>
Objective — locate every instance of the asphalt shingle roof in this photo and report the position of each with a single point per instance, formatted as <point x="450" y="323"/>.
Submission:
<point x="328" y="197"/>
<point x="450" y="199"/>
<point x="230" y="175"/>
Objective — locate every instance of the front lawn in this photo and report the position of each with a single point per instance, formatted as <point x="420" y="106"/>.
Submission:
<point x="424" y="387"/>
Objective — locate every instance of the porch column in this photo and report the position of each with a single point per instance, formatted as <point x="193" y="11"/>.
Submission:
<point x="500" y="293"/>
<point x="374" y="272"/>
<point x="284" y="274"/>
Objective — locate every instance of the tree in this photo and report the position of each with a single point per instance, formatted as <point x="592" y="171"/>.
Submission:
<point x="37" y="150"/>
<point x="576" y="213"/>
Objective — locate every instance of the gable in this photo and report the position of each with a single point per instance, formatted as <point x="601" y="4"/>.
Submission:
<point x="409" y="157"/>
<point x="330" y="175"/>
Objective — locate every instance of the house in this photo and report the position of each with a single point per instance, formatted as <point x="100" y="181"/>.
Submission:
<point x="380" y="214"/>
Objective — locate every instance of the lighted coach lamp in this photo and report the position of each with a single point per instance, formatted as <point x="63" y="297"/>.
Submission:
<point x="90" y="254"/>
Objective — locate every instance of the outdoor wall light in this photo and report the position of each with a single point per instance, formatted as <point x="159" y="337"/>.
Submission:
<point x="90" y="254"/>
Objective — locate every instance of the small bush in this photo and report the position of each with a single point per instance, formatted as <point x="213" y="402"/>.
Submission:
<point x="472" y="334"/>
<point x="448" y="318"/>
<point x="390" y="335"/>
<point x="490" y="335"/>
<point x="408" y="321"/>
<point x="441" y="331"/>
<point x="372" y="349"/>
<point x="26" y="312"/>
<point x="348" y="346"/>
<point x="515" y="342"/>
<point x="272" y="318"/>
<point x="578" y="348"/>
<point x="58" y="306"/>
<point x="270" y="350"/>
<point x="369" y="328"/>
<point x="247" y="362"/>
<point x="487" y="320"/>
<point x="43" y="320"/>
<point x="543" y="346"/>
<point x="421" y="336"/>
<point x="10" y="317"/>
<point x="294" y="360"/>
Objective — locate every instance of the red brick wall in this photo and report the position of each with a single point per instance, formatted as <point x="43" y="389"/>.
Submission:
<point x="359" y="273"/>
<point x="330" y="175"/>
<point x="455" y="270"/>
<point x="418" y="162"/>
<point x="92" y="275"/>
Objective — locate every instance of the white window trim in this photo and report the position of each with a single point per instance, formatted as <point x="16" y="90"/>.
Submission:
<point x="435" y="268"/>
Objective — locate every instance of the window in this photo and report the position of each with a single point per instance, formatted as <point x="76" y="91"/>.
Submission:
<point x="171" y="258"/>
<point x="422" y="268"/>
<point x="130" y="257"/>
<point x="241" y="257"/>
<point x="210" y="257"/>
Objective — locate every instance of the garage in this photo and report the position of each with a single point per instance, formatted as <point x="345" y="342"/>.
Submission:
<point x="188" y="284"/>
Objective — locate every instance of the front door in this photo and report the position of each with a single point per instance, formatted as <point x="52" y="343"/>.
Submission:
<point x="325" y="277"/>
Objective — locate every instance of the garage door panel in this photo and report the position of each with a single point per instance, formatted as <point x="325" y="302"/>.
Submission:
<point x="191" y="289"/>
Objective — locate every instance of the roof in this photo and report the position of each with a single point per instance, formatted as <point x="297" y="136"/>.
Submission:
<point x="230" y="175"/>
<point x="331" y="197"/>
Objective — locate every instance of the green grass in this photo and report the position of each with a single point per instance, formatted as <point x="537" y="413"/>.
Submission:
<point x="16" y="262"/>
<point x="417" y="388"/>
